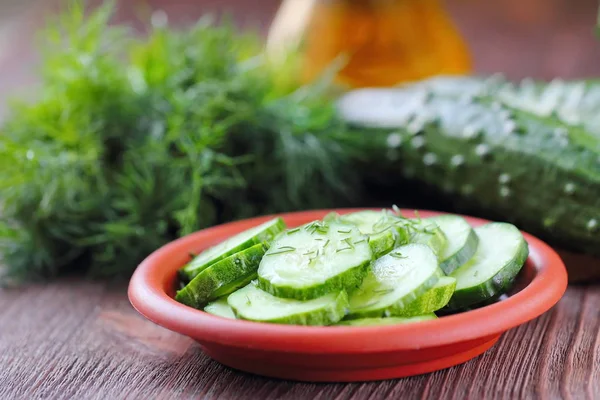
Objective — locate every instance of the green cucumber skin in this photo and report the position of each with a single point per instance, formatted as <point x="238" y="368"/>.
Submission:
<point x="348" y="280"/>
<point x="463" y="255"/>
<point x="397" y="308"/>
<point x="512" y="165"/>
<point x="190" y="270"/>
<point x="498" y="284"/>
<point x="434" y="299"/>
<point x="327" y="316"/>
<point x="435" y="240"/>
<point x="387" y="321"/>
<point x="381" y="242"/>
<point x="222" y="277"/>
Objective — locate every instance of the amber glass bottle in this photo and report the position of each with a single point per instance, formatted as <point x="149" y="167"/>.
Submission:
<point x="381" y="42"/>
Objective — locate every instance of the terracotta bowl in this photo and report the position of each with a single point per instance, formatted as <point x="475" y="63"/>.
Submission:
<point x="341" y="354"/>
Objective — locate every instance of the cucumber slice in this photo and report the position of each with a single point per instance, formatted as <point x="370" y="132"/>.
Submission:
<point x="386" y="321"/>
<point x="220" y="308"/>
<point x="239" y="242"/>
<point x="394" y="281"/>
<point x="254" y="304"/>
<point x="432" y="300"/>
<point x="501" y="253"/>
<point x="461" y="241"/>
<point x="427" y="232"/>
<point x="384" y="229"/>
<point x="222" y="277"/>
<point x="315" y="259"/>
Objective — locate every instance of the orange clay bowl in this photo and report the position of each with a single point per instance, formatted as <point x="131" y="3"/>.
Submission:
<point x="337" y="353"/>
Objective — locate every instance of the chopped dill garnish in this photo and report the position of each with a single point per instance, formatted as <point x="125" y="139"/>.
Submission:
<point x="397" y="255"/>
<point x="383" y="291"/>
<point x="367" y="305"/>
<point x="281" y="250"/>
<point x="417" y="215"/>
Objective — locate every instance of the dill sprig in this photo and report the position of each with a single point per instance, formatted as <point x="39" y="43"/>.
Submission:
<point x="133" y="142"/>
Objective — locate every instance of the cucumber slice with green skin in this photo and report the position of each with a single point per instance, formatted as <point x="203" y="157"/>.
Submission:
<point x="394" y="281"/>
<point x="386" y="321"/>
<point x="428" y="233"/>
<point x="501" y="253"/>
<point x="234" y="244"/>
<point x="432" y="300"/>
<point x="384" y="229"/>
<point x="222" y="277"/>
<point x="461" y="241"/>
<point x="315" y="259"/>
<point x="253" y="304"/>
<point x="220" y="308"/>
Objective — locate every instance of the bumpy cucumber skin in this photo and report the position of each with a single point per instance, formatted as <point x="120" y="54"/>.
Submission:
<point x="498" y="284"/>
<point x="190" y="270"/>
<point x="432" y="300"/>
<point x="347" y="280"/>
<point x="222" y="277"/>
<point x="397" y="308"/>
<point x="463" y="255"/>
<point x="327" y="316"/>
<point x="386" y="321"/>
<point x="493" y="158"/>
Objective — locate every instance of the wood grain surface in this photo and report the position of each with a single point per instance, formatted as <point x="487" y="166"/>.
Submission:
<point x="78" y="339"/>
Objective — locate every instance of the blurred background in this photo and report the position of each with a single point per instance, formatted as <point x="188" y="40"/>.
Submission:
<point x="535" y="38"/>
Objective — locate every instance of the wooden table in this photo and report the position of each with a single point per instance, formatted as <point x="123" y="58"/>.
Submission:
<point x="78" y="339"/>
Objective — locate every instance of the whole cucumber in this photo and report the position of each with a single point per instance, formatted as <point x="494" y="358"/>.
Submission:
<point x="519" y="153"/>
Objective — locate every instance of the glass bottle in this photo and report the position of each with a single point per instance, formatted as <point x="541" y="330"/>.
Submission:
<point x="380" y="42"/>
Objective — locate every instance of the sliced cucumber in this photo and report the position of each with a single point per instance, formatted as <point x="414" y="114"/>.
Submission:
<point x="241" y="241"/>
<point x="428" y="233"/>
<point x="222" y="277"/>
<point x="501" y="253"/>
<point x="220" y="307"/>
<point x="432" y="300"/>
<point x="315" y="259"/>
<point x="387" y="321"/>
<point x="382" y="227"/>
<point x="461" y="241"/>
<point x="394" y="281"/>
<point x="253" y="304"/>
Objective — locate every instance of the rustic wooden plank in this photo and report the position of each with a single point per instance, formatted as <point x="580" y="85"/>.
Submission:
<point x="78" y="339"/>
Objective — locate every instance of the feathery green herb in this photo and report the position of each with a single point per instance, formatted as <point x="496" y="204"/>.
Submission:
<point x="133" y="142"/>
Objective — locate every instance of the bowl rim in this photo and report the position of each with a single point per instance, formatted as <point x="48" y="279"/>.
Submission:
<point x="147" y="293"/>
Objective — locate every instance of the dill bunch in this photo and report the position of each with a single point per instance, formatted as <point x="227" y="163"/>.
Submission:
<point x="132" y="142"/>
